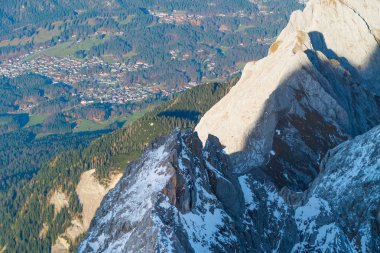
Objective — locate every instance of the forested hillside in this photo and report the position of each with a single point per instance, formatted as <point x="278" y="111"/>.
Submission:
<point x="34" y="11"/>
<point x="40" y="118"/>
<point x="25" y="210"/>
<point x="180" y="41"/>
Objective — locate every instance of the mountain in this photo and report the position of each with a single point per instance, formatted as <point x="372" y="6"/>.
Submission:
<point x="341" y="210"/>
<point x="285" y="162"/>
<point x="170" y="180"/>
<point x="179" y="197"/>
<point x="318" y="86"/>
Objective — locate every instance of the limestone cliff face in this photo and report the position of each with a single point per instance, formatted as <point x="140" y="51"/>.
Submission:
<point x="317" y="87"/>
<point x="90" y="193"/>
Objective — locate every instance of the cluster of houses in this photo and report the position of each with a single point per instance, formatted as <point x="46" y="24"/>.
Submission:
<point x="69" y="70"/>
<point x="181" y="17"/>
<point x="105" y="80"/>
<point x="121" y="94"/>
<point x="177" y="17"/>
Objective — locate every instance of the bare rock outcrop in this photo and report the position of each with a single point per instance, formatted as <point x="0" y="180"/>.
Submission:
<point x="317" y="87"/>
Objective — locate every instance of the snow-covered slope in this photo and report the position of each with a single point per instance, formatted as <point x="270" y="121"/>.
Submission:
<point x="167" y="203"/>
<point x="314" y="90"/>
<point x="180" y="198"/>
<point x="342" y="208"/>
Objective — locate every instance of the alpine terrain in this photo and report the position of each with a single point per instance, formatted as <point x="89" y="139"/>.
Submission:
<point x="287" y="161"/>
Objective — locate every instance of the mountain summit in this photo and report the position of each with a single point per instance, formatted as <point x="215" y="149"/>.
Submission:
<point x="318" y="86"/>
<point x="285" y="162"/>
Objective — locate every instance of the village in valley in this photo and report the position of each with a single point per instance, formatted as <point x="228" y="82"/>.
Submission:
<point x="105" y="82"/>
<point x="99" y="80"/>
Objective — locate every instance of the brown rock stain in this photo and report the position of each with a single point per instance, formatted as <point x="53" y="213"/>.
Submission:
<point x="273" y="48"/>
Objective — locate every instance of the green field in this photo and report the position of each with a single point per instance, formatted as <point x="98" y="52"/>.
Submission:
<point x="43" y="35"/>
<point x="35" y="120"/>
<point x="242" y="28"/>
<point x="84" y="125"/>
<point x="40" y="135"/>
<point x="70" y="47"/>
<point x="125" y="21"/>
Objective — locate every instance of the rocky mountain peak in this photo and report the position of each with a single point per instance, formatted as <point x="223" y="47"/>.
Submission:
<point x="179" y="197"/>
<point x="317" y="87"/>
<point x="176" y="197"/>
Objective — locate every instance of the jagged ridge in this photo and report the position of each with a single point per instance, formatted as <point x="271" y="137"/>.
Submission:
<point x="180" y="198"/>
